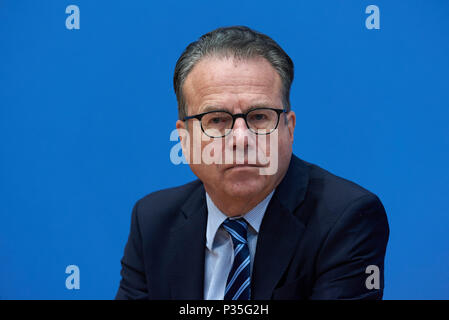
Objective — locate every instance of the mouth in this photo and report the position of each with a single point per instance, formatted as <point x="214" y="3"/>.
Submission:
<point x="243" y="166"/>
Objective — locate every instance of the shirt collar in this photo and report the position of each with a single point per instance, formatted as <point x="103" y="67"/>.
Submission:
<point x="215" y="218"/>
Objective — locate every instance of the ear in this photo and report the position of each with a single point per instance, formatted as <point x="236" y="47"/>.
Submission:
<point x="180" y="124"/>
<point x="184" y="138"/>
<point x="291" y="123"/>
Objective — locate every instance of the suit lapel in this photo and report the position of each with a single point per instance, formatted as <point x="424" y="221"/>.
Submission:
<point x="280" y="231"/>
<point x="187" y="244"/>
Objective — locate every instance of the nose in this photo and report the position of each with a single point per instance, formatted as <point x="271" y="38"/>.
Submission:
<point x="240" y="124"/>
<point x="239" y="132"/>
<point x="241" y="138"/>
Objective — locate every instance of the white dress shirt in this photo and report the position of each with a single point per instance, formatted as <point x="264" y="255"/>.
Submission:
<point x="219" y="247"/>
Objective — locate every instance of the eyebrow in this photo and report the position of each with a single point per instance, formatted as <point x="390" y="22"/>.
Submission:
<point x="212" y="108"/>
<point x="252" y="106"/>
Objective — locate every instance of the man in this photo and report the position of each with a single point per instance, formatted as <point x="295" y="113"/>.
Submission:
<point x="259" y="223"/>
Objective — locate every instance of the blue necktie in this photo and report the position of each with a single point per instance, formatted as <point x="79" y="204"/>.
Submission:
<point x="238" y="284"/>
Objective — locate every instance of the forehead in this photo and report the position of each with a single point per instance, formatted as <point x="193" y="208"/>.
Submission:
<point x="220" y="81"/>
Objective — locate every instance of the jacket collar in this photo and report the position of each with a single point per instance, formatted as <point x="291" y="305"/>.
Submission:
<point x="292" y="189"/>
<point x="187" y="244"/>
<point x="274" y="252"/>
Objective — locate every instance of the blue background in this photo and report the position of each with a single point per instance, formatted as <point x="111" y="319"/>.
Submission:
<point x="86" y="115"/>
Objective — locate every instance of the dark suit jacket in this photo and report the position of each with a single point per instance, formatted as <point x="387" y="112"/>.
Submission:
<point x="318" y="235"/>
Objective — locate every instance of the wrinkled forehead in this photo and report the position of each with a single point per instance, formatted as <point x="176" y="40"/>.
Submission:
<point x="231" y="81"/>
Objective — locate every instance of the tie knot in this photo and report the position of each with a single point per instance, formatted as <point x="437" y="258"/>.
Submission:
<point x="237" y="228"/>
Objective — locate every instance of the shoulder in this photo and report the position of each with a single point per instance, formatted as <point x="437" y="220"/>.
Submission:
<point x="170" y="197"/>
<point x="333" y="191"/>
<point x="330" y="199"/>
<point x="163" y="205"/>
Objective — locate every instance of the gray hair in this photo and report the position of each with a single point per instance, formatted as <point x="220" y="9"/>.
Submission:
<point x="242" y="43"/>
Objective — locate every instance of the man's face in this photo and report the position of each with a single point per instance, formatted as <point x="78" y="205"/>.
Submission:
<point x="218" y="83"/>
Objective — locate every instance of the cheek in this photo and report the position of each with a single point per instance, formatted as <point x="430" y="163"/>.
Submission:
<point x="271" y="144"/>
<point x="205" y="166"/>
<point x="285" y="136"/>
<point x="206" y="173"/>
<point x="285" y="147"/>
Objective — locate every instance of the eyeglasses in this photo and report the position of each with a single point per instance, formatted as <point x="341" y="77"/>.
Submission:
<point x="218" y="124"/>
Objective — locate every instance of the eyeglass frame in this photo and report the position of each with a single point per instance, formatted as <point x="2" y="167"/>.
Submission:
<point x="234" y="117"/>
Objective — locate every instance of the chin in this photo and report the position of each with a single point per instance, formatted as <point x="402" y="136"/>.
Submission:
<point x="244" y="186"/>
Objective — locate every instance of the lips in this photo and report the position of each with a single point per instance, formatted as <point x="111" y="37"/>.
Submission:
<point x="235" y="166"/>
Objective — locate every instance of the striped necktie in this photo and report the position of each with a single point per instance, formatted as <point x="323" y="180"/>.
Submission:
<point x="238" y="284"/>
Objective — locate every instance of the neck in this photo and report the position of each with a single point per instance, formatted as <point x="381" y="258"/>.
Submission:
<point x="236" y="206"/>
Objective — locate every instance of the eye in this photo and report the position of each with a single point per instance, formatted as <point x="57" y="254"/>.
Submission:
<point x="258" y="117"/>
<point x="217" y="120"/>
